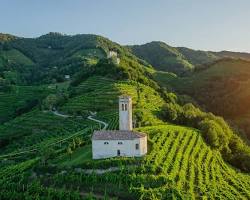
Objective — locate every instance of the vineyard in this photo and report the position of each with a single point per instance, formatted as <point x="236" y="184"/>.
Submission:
<point x="179" y="164"/>
<point x="39" y="128"/>
<point x="101" y="95"/>
<point x="18" y="97"/>
<point x="182" y="156"/>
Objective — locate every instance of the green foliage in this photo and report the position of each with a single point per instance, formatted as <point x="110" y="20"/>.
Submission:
<point x="20" y="99"/>
<point x="163" y="57"/>
<point x="214" y="129"/>
<point x="193" y="167"/>
<point x="179" y="163"/>
<point x="52" y="101"/>
<point x="212" y="132"/>
<point x="197" y="57"/>
<point x="48" y="58"/>
<point x="171" y="111"/>
<point x="6" y="37"/>
<point x="4" y="85"/>
<point x="38" y="128"/>
<point x="223" y="88"/>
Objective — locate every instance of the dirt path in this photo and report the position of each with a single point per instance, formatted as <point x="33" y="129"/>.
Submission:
<point x="99" y="121"/>
<point x="60" y="114"/>
<point x="75" y="134"/>
<point x="90" y="117"/>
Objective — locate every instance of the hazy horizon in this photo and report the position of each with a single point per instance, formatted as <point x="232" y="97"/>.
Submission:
<point x="211" y="26"/>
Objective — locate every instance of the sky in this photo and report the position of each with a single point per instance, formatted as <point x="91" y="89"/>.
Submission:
<point x="199" y="24"/>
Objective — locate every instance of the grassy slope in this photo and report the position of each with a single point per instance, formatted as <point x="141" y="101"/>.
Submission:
<point x="196" y="172"/>
<point x="187" y="148"/>
<point x="176" y="153"/>
<point x="15" y="56"/>
<point x="38" y="128"/>
<point x="101" y="95"/>
<point x="79" y="156"/>
<point x="181" y="154"/>
<point x="163" y="57"/>
<point x="197" y="57"/>
<point x="18" y="97"/>
<point x="219" y="88"/>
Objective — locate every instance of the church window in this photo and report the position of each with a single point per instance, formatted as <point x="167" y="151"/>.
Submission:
<point x="136" y="146"/>
<point x="119" y="142"/>
<point x="106" y="143"/>
<point x="122" y="107"/>
<point x="126" y="107"/>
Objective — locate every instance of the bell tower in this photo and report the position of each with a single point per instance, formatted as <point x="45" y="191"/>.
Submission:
<point x="125" y="113"/>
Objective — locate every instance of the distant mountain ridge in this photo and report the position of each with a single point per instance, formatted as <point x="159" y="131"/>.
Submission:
<point x="52" y="56"/>
<point x="56" y="50"/>
<point x="7" y="37"/>
<point x="180" y="60"/>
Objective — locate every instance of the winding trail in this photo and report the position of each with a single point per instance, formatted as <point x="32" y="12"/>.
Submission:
<point x="60" y="114"/>
<point x="90" y="117"/>
<point x="99" y="121"/>
<point x="59" y="141"/>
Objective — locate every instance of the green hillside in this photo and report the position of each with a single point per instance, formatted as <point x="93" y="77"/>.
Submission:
<point x="235" y="55"/>
<point x="181" y="60"/>
<point x="48" y="121"/>
<point x="223" y="89"/>
<point x="6" y="37"/>
<point x="20" y="99"/>
<point x="197" y="57"/>
<point x="101" y="95"/>
<point x="179" y="166"/>
<point x="163" y="57"/>
<point x="199" y="172"/>
<point x="48" y="58"/>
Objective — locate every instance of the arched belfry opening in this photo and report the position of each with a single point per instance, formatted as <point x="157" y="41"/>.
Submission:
<point x="125" y="113"/>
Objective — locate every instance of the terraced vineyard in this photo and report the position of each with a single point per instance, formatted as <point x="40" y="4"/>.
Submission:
<point x="99" y="94"/>
<point x="112" y="118"/>
<point x="181" y="154"/>
<point x="18" y="97"/>
<point x="38" y="128"/>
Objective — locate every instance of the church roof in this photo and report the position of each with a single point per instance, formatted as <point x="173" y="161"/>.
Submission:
<point x="117" y="135"/>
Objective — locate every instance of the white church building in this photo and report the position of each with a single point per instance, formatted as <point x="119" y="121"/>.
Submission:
<point x="123" y="142"/>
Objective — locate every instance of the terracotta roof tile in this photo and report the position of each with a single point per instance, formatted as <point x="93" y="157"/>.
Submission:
<point x="116" y="135"/>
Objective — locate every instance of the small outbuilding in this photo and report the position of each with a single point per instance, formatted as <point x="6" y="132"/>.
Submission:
<point x="124" y="142"/>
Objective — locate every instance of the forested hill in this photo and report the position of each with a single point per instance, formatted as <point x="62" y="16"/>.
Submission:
<point x="222" y="88"/>
<point x="163" y="57"/>
<point x="180" y="60"/>
<point x="50" y="57"/>
<point x="46" y="124"/>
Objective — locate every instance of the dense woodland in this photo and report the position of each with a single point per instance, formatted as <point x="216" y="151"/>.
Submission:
<point x="193" y="153"/>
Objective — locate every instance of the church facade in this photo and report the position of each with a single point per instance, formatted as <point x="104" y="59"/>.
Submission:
<point x="123" y="142"/>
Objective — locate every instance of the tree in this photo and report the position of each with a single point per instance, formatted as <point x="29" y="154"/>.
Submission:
<point x="46" y="153"/>
<point x="192" y="115"/>
<point x="69" y="152"/>
<point x="50" y="101"/>
<point x="79" y="141"/>
<point x="4" y="85"/>
<point x="211" y="131"/>
<point x="171" y="111"/>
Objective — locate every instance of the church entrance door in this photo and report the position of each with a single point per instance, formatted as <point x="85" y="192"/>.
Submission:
<point x="118" y="152"/>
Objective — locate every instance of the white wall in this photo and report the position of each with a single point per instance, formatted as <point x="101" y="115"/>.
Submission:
<point x="112" y="54"/>
<point x="127" y="148"/>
